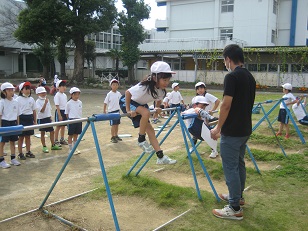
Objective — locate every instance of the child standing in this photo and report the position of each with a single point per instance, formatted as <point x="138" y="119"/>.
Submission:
<point x="213" y="100"/>
<point x="135" y="101"/>
<point x="43" y="117"/>
<point x="299" y="112"/>
<point x="60" y="100"/>
<point x="27" y="117"/>
<point x="283" y="116"/>
<point x="9" y="111"/>
<point x="175" y="97"/>
<point x="112" y="100"/>
<point x="73" y="110"/>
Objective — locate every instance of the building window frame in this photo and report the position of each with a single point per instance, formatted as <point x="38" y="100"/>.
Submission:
<point x="273" y="37"/>
<point x="275" y="6"/>
<point x="227" y="6"/>
<point x="226" y="33"/>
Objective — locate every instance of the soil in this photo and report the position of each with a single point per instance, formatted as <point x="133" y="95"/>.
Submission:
<point x="23" y="188"/>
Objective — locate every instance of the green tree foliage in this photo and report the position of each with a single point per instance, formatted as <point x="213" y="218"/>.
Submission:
<point x="89" y="54"/>
<point x="132" y="32"/>
<point x="116" y="55"/>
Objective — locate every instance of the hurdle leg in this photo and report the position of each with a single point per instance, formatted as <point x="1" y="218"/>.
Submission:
<point x="252" y="159"/>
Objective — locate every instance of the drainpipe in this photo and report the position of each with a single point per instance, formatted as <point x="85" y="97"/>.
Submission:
<point x="293" y="23"/>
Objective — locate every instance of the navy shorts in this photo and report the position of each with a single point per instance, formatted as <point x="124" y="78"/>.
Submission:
<point x="6" y="123"/>
<point x="304" y="121"/>
<point x="45" y="121"/>
<point x="133" y="107"/>
<point x="283" y="117"/>
<point x="74" y="128"/>
<point x="26" y="120"/>
<point x="115" y="122"/>
<point x="62" y="112"/>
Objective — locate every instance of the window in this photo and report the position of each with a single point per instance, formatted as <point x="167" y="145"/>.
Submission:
<point x="262" y="67"/>
<point x="272" y="67"/>
<point x="283" y="67"/>
<point x="257" y="67"/>
<point x="299" y="68"/>
<point x="2" y="53"/>
<point x="226" y="33"/>
<point x="275" y="6"/>
<point x="252" y="67"/>
<point x="273" y="39"/>
<point x="227" y="6"/>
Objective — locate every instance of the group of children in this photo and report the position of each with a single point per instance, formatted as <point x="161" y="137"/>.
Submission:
<point x="24" y="110"/>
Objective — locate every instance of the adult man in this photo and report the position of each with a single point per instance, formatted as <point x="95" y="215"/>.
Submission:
<point x="235" y="127"/>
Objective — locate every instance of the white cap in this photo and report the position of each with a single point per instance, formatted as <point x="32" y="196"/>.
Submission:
<point x="287" y="86"/>
<point x="74" y="89"/>
<point x="200" y="99"/>
<point x="114" y="80"/>
<point x="7" y="85"/>
<point x="200" y="84"/>
<point x="58" y="83"/>
<point x="56" y="76"/>
<point x="23" y="85"/>
<point x="174" y="85"/>
<point x="161" y="67"/>
<point x="40" y="90"/>
<point x="169" y="93"/>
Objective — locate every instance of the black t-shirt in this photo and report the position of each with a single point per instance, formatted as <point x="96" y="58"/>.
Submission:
<point x="240" y="85"/>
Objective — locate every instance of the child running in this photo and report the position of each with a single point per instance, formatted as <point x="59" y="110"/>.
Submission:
<point x="27" y="117"/>
<point x="9" y="111"/>
<point x="60" y="100"/>
<point x="112" y="100"/>
<point x="135" y="103"/>
<point x="43" y="117"/>
<point x="73" y="110"/>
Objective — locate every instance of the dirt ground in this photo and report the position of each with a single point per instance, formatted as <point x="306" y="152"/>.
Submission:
<point x="23" y="188"/>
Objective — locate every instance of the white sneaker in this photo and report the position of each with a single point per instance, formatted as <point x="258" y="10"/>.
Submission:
<point x="191" y="149"/>
<point x="146" y="147"/>
<point x="3" y="164"/>
<point x="15" y="162"/>
<point x="214" y="154"/>
<point x="165" y="160"/>
<point x="228" y="213"/>
<point x="77" y="152"/>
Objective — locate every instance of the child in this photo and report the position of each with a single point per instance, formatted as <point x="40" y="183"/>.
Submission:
<point x="214" y="101"/>
<point x="43" y="117"/>
<point x="283" y="116"/>
<point x="136" y="100"/>
<point x="73" y="110"/>
<point x="175" y="97"/>
<point x="299" y="112"/>
<point x="9" y="111"/>
<point x="112" y="100"/>
<point x="27" y="117"/>
<point x="60" y="100"/>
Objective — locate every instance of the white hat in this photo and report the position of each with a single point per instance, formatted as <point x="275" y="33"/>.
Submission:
<point x="113" y="80"/>
<point x="169" y="93"/>
<point x="200" y="84"/>
<point x="58" y="83"/>
<point x="161" y="67"/>
<point x="56" y="76"/>
<point x="174" y="85"/>
<point x="24" y="84"/>
<point x="7" y="85"/>
<point x="287" y="86"/>
<point x="74" y="89"/>
<point x="200" y="99"/>
<point x="40" y="90"/>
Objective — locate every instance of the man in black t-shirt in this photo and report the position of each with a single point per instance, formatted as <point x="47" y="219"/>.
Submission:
<point x="235" y="127"/>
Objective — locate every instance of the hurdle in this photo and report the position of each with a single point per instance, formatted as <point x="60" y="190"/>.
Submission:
<point x="90" y="122"/>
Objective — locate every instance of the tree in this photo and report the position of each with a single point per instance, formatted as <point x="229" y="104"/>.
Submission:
<point x="86" y="17"/>
<point x="116" y="55"/>
<point x="89" y="54"/>
<point x="132" y="32"/>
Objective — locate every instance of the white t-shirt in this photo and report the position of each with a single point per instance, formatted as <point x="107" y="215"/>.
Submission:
<point x="39" y="104"/>
<point x="112" y="100"/>
<point x="61" y="100"/>
<point x="212" y="99"/>
<point x="26" y="105"/>
<point x="290" y="97"/>
<point x="166" y="100"/>
<point x="140" y="95"/>
<point x="9" y="109"/>
<point x="175" y="97"/>
<point x="188" y="112"/>
<point x="299" y="111"/>
<point x="74" y="109"/>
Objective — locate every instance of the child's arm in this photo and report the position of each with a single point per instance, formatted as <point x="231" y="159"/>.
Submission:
<point x="217" y="102"/>
<point x="105" y="106"/>
<point x="34" y="117"/>
<point x="59" y="113"/>
<point x="128" y="98"/>
<point x="44" y="106"/>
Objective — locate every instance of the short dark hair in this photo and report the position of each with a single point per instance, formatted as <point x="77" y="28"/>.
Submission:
<point x="234" y="52"/>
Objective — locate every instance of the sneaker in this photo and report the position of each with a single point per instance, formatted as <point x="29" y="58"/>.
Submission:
<point x="228" y="213"/>
<point x="146" y="147"/>
<point x="118" y="138"/>
<point x="114" y="140"/>
<point x="56" y="147"/>
<point x="191" y="149"/>
<point x="77" y="152"/>
<point x="45" y="149"/>
<point x="15" y="162"/>
<point x="30" y="154"/>
<point x="21" y="156"/>
<point x="57" y="143"/>
<point x="63" y="142"/>
<point x="278" y="134"/>
<point x="225" y="197"/>
<point x="165" y="160"/>
<point x="214" y="154"/>
<point x="3" y="164"/>
<point x="287" y="136"/>
<point x="155" y="121"/>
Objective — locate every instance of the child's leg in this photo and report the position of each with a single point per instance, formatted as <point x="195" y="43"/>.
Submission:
<point x="1" y="150"/>
<point x="75" y="137"/>
<point x="145" y="116"/>
<point x="43" y="138"/>
<point x="20" y="142"/>
<point x="113" y="131"/>
<point x="57" y="133"/>
<point x="280" y="128"/>
<point x="52" y="137"/>
<point x="3" y="164"/>
<point x="116" y="129"/>
<point x="287" y="129"/>
<point x="62" y="129"/>
<point x="153" y="140"/>
<point x="28" y="143"/>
